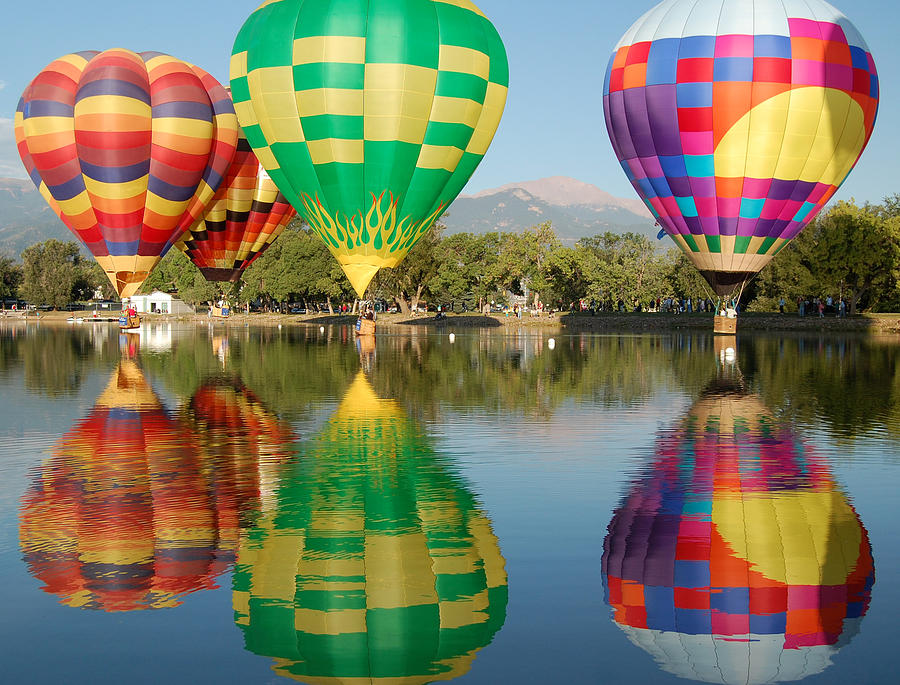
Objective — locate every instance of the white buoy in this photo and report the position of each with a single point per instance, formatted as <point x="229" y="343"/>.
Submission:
<point x="730" y="355"/>
<point x="279" y="327"/>
<point x="551" y="343"/>
<point x="321" y="329"/>
<point x="452" y="338"/>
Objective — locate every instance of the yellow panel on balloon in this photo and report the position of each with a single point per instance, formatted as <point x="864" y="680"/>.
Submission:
<point x="819" y="140"/>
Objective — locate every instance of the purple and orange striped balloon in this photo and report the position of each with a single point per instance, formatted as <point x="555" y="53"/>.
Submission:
<point x="128" y="149"/>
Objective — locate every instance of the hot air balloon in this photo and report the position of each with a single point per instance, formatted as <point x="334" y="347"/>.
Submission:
<point x="736" y="121"/>
<point x="246" y="215"/>
<point x="121" y="518"/>
<point x="376" y="564"/>
<point x="736" y="558"/>
<point x="127" y="149"/>
<point x="370" y="117"/>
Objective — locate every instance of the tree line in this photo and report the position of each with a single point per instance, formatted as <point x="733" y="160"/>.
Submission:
<point x="849" y="252"/>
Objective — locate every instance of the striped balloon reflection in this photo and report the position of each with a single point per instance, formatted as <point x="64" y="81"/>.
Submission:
<point x="138" y="507"/>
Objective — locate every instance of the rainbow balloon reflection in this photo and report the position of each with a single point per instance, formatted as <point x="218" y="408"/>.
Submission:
<point x="376" y="565"/>
<point x="737" y="558"/>
<point x="242" y="445"/>
<point x="121" y="516"/>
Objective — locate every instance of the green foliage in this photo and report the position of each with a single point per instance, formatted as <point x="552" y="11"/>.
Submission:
<point x="91" y="278"/>
<point x="296" y="267"/>
<point x="50" y="272"/>
<point x="468" y="269"/>
<point x="407" y="283"/>
<point x="10" y="277"/>
<point x="850" y="251"/>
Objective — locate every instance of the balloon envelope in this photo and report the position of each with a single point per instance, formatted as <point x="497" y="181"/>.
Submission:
<point x="737" y="120"/>
<point x="246" y="215"/>
<point x="370" y="117"/>
<point x="128" y="149"/>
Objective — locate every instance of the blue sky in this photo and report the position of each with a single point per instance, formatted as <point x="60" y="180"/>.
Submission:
<point x="558" y="52"/>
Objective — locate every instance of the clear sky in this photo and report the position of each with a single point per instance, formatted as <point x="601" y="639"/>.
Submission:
<point x="553" y="124"/>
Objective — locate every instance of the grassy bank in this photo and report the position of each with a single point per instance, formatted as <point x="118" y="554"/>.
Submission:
<point x="631" y="322"/>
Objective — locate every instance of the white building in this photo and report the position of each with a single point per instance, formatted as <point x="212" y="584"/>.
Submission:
<point x="159" y="302"/>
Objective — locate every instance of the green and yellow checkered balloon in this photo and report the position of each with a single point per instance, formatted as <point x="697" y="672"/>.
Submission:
<point x="370" y="115"/>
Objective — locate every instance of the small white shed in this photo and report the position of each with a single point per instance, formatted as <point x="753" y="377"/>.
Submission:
<point x="159" y="302"/>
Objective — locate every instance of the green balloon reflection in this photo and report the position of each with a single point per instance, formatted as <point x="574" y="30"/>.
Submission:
<point x="375" y="563"/>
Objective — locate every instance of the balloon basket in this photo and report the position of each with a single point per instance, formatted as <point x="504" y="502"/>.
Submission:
<point x="724" y="325"/>
<point x="365" y="327"/>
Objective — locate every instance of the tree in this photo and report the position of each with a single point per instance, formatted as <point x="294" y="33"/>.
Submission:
<point x="682" y="277"/>
<point x="168" y="271"/>
<point x="297" y="266"/>
<point x="624" y="268"/>
<point x="49" y="272"/>
<point x="522" y="259"/>
<point x="564" y="274"/>
<point x="467" y="268"/>
<point x="10" y="277"/>
<point x="89" y="279"/>
<point x="853" y="251"/>
<point x="408" y="282"/>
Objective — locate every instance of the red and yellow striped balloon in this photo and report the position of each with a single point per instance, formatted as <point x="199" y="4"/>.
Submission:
<point x="128" y="149"/>
<point x="246" y="216"/>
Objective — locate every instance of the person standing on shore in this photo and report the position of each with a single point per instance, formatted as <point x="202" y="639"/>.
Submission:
<point x="781" y="305"/>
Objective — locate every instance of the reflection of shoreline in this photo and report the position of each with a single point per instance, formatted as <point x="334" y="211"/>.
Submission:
<point x="737" y="558"/>
<point x="375" y="563"/>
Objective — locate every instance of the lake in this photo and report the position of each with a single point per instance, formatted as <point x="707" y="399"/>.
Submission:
<point x="200" y="504"/>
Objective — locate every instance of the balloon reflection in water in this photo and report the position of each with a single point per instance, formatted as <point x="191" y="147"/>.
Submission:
<point x="376" y="565"/>
<point x="120" y="518"/>
<point x="737" y="559"/>
<point x="242" y="445"/>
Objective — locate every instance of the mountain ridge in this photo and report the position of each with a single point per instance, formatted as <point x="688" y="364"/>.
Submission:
<point x="576" y="210"/>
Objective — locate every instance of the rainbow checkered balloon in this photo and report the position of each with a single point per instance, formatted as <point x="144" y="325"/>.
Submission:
<point x="127" y="149"/>
<point x="736" y="558"/>
<point x="737" y="120"/>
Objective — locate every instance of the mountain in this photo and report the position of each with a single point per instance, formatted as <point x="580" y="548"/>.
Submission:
<point x="576" y="210"/>
<point x="25" y="218"/>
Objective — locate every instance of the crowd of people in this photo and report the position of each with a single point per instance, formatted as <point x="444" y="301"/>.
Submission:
<point x="817" y="306"/>
<point x="669" y="305"/>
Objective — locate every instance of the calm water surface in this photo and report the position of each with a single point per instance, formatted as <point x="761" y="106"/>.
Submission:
<point x="211" y="504"/>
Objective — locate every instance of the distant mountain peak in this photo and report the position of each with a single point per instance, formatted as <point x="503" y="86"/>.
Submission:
<point x="563" y="191"/>
<point x="575" y="209"/>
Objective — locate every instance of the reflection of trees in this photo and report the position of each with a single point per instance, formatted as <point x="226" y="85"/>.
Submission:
<point x="852" y="386"/>
<point x="374" y="562"/>
<point x="54" y="362"/>
<point x="288" y="370"/>
<point x="499" y="374"/>
<point x="735" y="557"/>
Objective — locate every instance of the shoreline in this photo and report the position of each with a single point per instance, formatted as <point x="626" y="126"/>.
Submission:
<point x="636" y="322"/>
